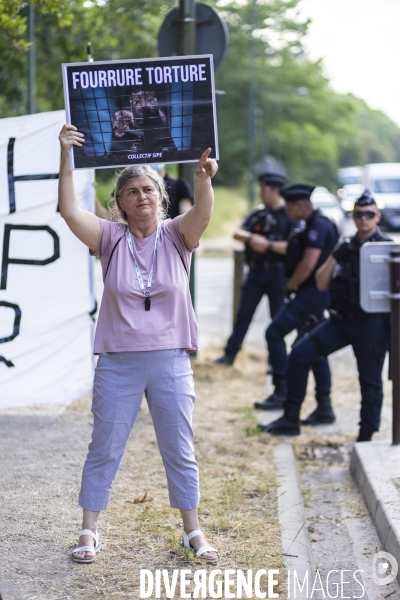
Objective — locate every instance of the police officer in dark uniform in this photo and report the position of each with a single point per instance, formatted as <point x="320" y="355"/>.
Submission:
<point x="179" y="193"/>
<point x="307" y="251"/>
<point x="264" y="231"/>
<point x="368" y="333"/>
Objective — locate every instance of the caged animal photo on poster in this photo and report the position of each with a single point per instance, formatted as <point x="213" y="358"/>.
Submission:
<point x="141" y="111"/>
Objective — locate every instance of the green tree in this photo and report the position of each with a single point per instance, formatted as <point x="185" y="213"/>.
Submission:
<point x="299" y="119"/>
<point x="118" y="29"/>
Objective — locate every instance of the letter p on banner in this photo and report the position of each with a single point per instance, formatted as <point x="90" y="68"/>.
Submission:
<point x="46" y="281"/>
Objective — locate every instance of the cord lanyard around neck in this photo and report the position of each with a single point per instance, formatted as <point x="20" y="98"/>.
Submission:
<point x="145" y="290"/>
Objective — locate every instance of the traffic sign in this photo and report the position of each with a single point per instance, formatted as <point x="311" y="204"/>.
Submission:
<point x="212" y="35"/>
<point x="375" y="261"/>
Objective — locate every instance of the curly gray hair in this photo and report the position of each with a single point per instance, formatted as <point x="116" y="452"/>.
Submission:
<point x="116" y="212"/>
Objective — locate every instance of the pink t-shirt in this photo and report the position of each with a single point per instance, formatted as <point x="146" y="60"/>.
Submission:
<point x="123" y="324"/>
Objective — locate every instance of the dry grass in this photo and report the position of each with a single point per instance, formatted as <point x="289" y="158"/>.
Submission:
<point x="238" y="510"/>
<point x="238" y="507"/>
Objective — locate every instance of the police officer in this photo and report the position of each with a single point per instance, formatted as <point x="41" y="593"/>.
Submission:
<point x="307" y="251"/>
<point x="179" y="193"/>
<point x="368" y="333"/>
<point x="264" y="231"/>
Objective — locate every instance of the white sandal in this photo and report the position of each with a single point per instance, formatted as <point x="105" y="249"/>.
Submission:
<point x="94" y="551"/>
<point x="200" y="552"/>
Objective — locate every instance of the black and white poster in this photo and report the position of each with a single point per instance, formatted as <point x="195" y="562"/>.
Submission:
<point x="141" y="111"/>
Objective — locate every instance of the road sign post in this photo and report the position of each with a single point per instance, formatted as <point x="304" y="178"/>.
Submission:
<point x="394" y="265"/>
<point x="190" y="29"/>
<point x="187" y="47"/>
<point x="380" y="292"/>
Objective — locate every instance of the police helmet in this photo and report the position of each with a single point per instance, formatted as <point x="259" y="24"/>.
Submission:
<point x="366" y="199"/>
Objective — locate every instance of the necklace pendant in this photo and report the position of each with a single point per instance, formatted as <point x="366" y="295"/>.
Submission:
<point x="147" y="303"/>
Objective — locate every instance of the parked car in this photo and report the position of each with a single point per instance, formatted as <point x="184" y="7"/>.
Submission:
<point x="350" y="180"/>
<point x="329" y="206"/>
<point x="383" y="180"/>
<point x="348" y="194"/>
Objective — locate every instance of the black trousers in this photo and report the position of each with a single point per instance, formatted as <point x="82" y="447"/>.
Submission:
<point x="271" y="282"/>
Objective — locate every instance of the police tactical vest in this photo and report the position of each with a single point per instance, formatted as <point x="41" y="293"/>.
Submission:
<point x="297" y="245"/>
<point x="273" y="225"/>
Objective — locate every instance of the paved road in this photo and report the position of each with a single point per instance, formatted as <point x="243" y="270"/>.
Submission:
<point x="214" y="278"/>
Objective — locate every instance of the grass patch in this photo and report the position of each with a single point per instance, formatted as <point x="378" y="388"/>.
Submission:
<point x="238" y="510"/>
<point x="104" y="190"/>
<point x="250" y="431"/>
<point x="230" y="207"/>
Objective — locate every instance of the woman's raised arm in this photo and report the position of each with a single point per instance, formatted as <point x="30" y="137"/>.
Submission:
<point x="82" y="223"/>
<point x="193" y="223"/>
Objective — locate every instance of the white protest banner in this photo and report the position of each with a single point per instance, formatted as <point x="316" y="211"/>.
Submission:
<point x="148" y="110"/>
<point x="46" y="287"/>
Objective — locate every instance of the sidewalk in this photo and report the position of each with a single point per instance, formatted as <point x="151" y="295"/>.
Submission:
<point x="375" y="467"/>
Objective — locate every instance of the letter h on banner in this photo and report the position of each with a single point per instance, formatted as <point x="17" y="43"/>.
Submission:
<point x="13" y="178"/>
<point x="6" y="242"/>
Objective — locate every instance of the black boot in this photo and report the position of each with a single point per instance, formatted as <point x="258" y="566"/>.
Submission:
<point x="365" y="434"/>
<point x="226" y="359"/>
<point x="323" y="414"/>
<point x="288" y="424"/>
<point x="276" y="399"/>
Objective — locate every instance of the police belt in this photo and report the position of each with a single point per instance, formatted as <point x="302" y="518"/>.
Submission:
<point x="264" y="265"/>
<point x="348" y="316"/>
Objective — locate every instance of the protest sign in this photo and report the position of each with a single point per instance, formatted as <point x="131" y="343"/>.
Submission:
<point x="47" y="284"/>
<point x="141" y="111"/>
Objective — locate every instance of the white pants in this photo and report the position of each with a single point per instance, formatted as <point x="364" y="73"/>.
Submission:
<point x="121" y="379"/>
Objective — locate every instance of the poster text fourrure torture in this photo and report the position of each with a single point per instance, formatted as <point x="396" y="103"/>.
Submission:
<point x="123" y="77"/>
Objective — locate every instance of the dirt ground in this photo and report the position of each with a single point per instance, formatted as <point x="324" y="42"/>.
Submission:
<point x="42" y="453"/>
<point x="42" y="450"/>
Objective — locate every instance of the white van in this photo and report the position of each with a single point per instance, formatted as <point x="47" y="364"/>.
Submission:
<point x="349" y="175"/>
<point x="383" y="180"/>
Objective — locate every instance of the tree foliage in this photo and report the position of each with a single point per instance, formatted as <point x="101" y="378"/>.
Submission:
<point x="299" y="119"/>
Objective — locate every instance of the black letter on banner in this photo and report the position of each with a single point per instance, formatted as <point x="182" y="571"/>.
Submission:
<point x="25" y="261"/>
<point x="13" y="178"/>
<point x="17" y="321"/>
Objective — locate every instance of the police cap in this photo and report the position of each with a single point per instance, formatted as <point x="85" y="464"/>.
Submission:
<point x="274" y="180"/>
<point x="297" y="191"/>
<point x="366" y="199"/>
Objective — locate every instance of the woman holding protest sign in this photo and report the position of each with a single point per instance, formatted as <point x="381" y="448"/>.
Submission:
<point x="145" y="330"/>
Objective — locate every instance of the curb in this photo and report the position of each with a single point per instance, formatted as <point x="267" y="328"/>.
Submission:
<point x="295" y="543"/>
<point x="373" y="466"/>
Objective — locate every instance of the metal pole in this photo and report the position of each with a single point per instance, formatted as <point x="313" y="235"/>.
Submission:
<point x="187" y="27"/>
<point x="252" y="109"/>
<point x="32" y="61"/>
<point x="89" y="52"/>
<point x="187" y="47"/>
<point x="395" y="341"/>
<point x="238" y="270"/>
